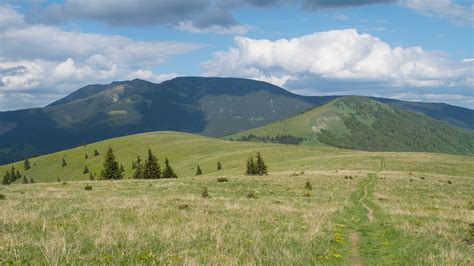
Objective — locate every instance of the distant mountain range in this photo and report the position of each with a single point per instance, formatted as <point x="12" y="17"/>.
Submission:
<point x="361" y="123"/>
<point x="207" y="106"/>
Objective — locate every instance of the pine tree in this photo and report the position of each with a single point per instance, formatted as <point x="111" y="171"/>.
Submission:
<point x="25" y="180"/>
<point x="198" y="171"/>
<point x="138" y="174"/>
<point x="86" y="156"/>
<point x="6" y="179"/>
<point x="122" y="170"/>
<point x="86" y="170"/>
<point x="32" y="180"/>
<point x="18" y="175"/>
<point x="219" y="166"/>
<point x="63" y="163"/>
<point x="261" y="168"/>
<point x="111" y="167"/>
<point x="168" y="171"/>
<point x="134" y="165"/>
<point x="96" y="153"/>
<point x="91" y="177"/>
<point x="152" y="168"/>
<point x="26" y="163"/>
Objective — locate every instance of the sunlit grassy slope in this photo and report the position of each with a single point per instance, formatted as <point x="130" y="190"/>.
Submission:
<point x="186" y="151"/>
<point x="364" y="124"/>
<point x="421" y="207"/>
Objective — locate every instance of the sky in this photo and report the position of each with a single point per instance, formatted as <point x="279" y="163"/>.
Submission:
<point x="417" y="50"/>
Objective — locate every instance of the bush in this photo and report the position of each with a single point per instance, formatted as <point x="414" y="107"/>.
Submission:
<point x="2" y="197"/>
<point x="251" y="195"/>
<point x="307" y="194"/>
<point x="308" y="185"/>
<point x="183" y="206"/>
<point x="222" y="179"/>
<point x="88" y="187"/>
<point x="205" y="193"/>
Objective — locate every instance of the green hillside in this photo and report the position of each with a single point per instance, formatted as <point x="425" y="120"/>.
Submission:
<point x="186" y="151"/>
<point x="364" y="124"/>
<point x="318" y="205"/>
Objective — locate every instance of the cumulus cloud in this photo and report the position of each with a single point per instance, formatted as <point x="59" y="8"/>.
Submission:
<point x="49" y="59"/>
<point x="339" y="57"/>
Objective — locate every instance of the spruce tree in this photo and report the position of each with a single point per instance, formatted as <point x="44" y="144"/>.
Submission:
<point x="198" y="171"/>
<point x="91" y="177"/>
<point x="26" y="163"/>
<point x="63" y="163"/>
<point x="25" y="180"/>
<point x="96" y="153"/>
<point x="138" y="174"/>
<point x="86" y="156"/>
<point x="6" y="179"/>
<point x="111" y="167"/>
<point x="32" y="180"/>
<point x="168" y="171"/>
<point x="219" y="166"/>
<point x="261" y="168"/>
<point x="152" y="168"/>
<point x="134" y="165"/>
<point x="122" y="170"/>
<point x="86" y="170"/>
<point x="18" y="175"/>
<point x="251" y="167"/>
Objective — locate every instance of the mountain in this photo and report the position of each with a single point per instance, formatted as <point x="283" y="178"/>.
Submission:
<point x="207" y="106"/>
<point x="364" y="124"/>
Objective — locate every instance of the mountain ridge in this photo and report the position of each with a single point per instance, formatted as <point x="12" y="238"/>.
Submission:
<point x="209" y="106"/>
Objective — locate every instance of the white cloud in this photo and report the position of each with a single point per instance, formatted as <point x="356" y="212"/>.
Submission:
<point x="338" y="55"/>
<point x="442" y="8"/>
<point x="49" y="59"/>
<point x="150" y="76"/>
<point x="233" y="29"/>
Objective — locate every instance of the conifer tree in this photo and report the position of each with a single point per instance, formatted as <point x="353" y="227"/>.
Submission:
<point x="18" y="175"/>
<point x="26" y="163"/>
<point x="86" y="156"/>
<point x="96" y="153"/>
<point x="32" y="180"/>
<point x="63" y="163"/>
<point x="152" y="168"/>
<point x="6" y="179"/>
<point x="134" y="165"/>
<point x="219" y="166"/>
<point x="261" y="168"/>
<point x="122" y="170"/>
<point x="111" y="167"/>
<point x="86" y="170"/>
<point x="25" y="180"/>
<point x="198" y="171"/>
<point x="168" y="171"/>
<point x="91" y="177"/>
<point x="251" y="167"/>
<point x="138" y="174"/>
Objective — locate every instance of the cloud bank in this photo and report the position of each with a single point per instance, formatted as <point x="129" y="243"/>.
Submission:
<point x="47" y="60"/>
<point x="345" y="61"/>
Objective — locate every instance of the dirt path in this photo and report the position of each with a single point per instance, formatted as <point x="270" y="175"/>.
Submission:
<point x="355" y="256"/>
<point x="370" y="212"/>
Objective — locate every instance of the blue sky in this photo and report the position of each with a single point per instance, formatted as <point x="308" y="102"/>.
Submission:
<point x="407" y="49"/>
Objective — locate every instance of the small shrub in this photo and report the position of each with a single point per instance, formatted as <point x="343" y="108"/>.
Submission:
<point x="422" y="177"/>
<point x="251" y="195"/>
<point x="301" y="173"/>
<point x="222" y="179"/>
<point x="205" y="193"/>
<point x="411" y="180"/>
<point x="2" y="197"/>
<point x="88" y="187"/>
<point x="307" y="194"/>
<point x="449" y="182"/>
<point x="183" y="206"/>
<point x="308" y="185"/>
<point x="198" y="171"/>
<point x="470" y="205"/>
<point x="64" y="183"/>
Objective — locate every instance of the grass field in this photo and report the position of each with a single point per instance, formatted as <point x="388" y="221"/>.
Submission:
<point x="363" y="208"/>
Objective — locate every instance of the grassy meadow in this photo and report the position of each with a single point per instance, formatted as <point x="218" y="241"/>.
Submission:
<point x="361" y="208"/>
